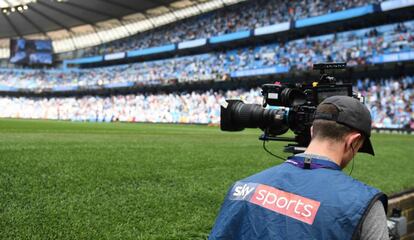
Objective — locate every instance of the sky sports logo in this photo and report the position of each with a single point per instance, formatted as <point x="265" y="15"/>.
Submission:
<point x="288" y="204"/>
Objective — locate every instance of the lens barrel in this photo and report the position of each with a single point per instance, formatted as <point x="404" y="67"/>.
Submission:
<point x="236" y="116"/>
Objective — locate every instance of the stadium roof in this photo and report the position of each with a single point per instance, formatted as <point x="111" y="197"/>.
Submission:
<point x="75" y="24"/>
<point x="43" y="16"/>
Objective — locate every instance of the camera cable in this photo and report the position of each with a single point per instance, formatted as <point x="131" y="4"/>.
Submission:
<point x="353" y="161"/>
<point x="274" y="155"/>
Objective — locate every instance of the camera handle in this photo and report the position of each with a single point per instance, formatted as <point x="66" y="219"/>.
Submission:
<point x="290" y="148"/>
<point x="295" y="149"/>
<point x="265" y="137"/>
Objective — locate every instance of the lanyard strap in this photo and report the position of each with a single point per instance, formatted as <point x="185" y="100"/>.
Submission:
<point x="311" y="163"/>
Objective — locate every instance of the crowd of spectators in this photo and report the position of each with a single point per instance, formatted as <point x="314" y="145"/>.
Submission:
<point x="161" y="72"/>
<point x="355" y="47"/>
<point x="391" y="102"/>
<point x="247" y="15"/>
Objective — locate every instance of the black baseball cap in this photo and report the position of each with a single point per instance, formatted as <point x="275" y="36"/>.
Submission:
<point x="352" y="113"/>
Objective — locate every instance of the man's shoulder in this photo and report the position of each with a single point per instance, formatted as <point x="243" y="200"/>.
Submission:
<point x="374" y="225"/>
<point x="267" y="174"/>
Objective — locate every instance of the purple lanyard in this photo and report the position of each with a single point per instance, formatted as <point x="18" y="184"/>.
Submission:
<point x="311" y="163"/>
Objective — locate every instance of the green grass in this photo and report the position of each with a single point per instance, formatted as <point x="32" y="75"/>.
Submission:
<point x="62" y="180"/>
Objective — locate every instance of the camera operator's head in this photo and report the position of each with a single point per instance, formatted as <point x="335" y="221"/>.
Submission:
<point x="341" y="128"/>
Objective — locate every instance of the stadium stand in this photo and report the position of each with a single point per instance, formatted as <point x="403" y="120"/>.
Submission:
<point x="391" y="102"/>
<point x="245" y="16"/>
<point x="357" y="47"/>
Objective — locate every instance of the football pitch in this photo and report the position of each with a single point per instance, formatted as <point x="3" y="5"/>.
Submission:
<point x="64" y="180"/>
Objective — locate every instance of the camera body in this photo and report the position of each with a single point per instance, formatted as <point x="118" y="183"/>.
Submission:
<point x="310" y="94"/>
<point x="285" y="106"/>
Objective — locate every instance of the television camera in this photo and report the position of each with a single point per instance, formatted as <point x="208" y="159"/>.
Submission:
<point x="286" y="106"/>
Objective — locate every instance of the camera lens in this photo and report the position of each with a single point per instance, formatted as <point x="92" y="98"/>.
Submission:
<point x="237" y="115"/>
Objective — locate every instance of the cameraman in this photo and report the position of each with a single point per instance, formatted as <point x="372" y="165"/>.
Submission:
<point x="308" y="196"/>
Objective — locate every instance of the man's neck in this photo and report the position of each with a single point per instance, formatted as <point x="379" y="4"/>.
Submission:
<point x="327" y="149"/>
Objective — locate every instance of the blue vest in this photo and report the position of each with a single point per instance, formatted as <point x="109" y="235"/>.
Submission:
<point x="291" y="202"/>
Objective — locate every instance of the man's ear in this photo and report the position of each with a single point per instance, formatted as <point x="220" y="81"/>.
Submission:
<point x="353" y="140"/>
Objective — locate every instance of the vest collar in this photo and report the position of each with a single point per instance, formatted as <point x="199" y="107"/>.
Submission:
<point x="311" y="161"/>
